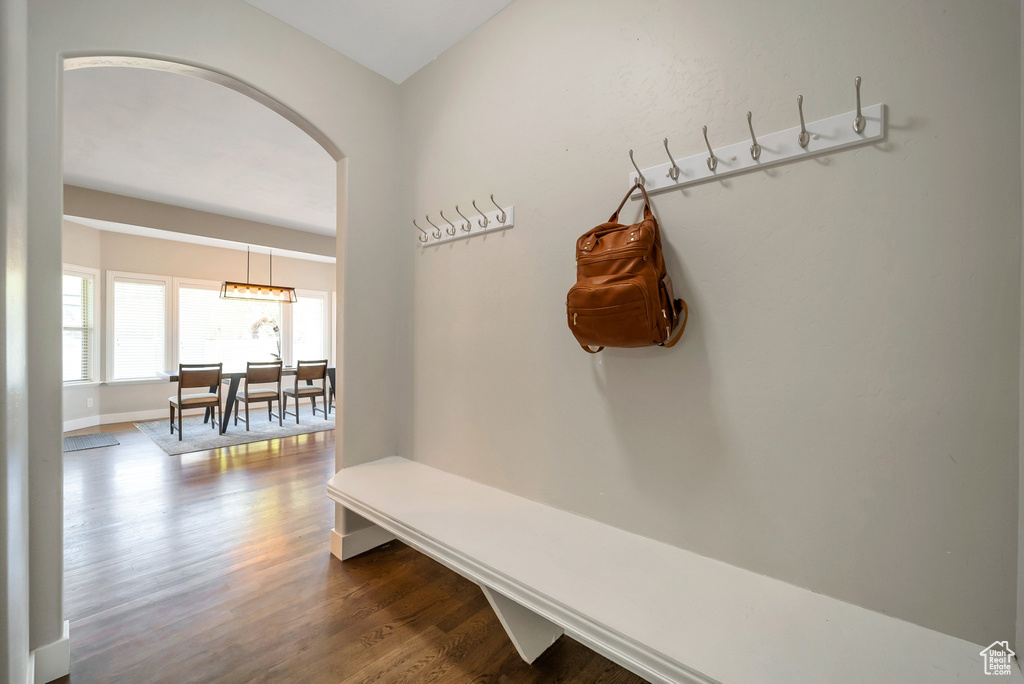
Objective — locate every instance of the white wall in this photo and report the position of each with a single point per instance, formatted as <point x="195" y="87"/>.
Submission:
<point x="842" y="412"/>
<point x="15" y="662"/>
<point x="354" y="108"/>
<point x="111" y="251"/>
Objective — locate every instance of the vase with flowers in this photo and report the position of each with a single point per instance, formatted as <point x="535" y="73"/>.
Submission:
<point x="268" y="322"/>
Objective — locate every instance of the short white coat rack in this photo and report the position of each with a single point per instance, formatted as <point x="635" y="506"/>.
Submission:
<point x="841" y="132"/>
<point x="501" y="218"/>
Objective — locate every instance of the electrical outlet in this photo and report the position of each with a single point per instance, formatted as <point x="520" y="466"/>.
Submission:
<point x="88" y="402"/>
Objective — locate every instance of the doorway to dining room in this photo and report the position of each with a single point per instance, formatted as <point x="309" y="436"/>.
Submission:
<point x="174" y="185"/>
<point x="176" y="179"/>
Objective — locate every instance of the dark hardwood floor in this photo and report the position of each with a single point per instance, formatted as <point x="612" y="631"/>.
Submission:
<point x="214" y="567"/>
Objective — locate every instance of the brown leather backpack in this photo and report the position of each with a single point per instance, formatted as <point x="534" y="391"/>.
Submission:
<point x="623" y="295"/>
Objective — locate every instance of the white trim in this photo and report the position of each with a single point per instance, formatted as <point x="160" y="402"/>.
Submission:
<point x="81" y="423"/>
<point x="325" y="300"/>
<point x="334" y="327"/>
<point x="345" y="546"/>
<point x="53" y="660"/>
<point x="95" y="339"/>
<point x="138" y="381"/>
<point x="128" y="417"/>
<point x="108" y="341"/>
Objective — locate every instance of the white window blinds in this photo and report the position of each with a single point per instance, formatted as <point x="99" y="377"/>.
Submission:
<point x="139" y="332"/>
<point x="308" y="327"/>
<point x="212" y="330"/>
<point x="78" y="318"/>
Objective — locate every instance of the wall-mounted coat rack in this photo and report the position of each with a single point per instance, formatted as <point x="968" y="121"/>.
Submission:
<point x="500" y="218"/>
<point x="852" y="129"/>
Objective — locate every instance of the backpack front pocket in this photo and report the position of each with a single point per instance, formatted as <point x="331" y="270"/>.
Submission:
<point x="611" y="315"/>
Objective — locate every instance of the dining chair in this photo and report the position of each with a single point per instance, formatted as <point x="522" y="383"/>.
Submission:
<point x="191" y="375"/>
<point x="306" y="371"/>
<point x="261" y="373"/>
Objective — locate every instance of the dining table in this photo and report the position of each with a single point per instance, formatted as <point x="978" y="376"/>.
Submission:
<point x="233" y="378"/>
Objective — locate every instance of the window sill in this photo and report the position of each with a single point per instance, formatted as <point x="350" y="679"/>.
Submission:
<point x="90" y="383"/>
<point x="138" y="381"/>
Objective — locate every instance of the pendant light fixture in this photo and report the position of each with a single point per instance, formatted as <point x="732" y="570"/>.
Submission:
<point x="258" y="293"/>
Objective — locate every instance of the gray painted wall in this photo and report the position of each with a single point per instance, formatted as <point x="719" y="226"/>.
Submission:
<point x="106" y="206"/>
<point x="842" y="411"/>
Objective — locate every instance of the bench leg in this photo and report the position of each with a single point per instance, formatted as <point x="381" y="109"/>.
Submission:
<point x="530" y="633"/>
<point x="358" y="535"/>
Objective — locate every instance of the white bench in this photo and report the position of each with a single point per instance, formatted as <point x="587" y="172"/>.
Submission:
<point x="666" y="614"/>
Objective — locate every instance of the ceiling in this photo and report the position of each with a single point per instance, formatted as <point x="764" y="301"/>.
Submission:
<point x="395" y="38"/>
<point x="184" y="141"/>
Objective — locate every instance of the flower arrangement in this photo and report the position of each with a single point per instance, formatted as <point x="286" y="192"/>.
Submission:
<point x="265" y="322"/>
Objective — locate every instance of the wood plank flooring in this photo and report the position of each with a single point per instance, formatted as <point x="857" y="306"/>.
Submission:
<point x="214" y="567"/>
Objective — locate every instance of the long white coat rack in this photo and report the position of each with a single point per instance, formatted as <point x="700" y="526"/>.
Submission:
<point x="501" y="218"/>
<point x="844" y="131"/>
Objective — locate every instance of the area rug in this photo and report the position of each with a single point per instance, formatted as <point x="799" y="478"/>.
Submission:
<point x="81" y="442"/>
<point x="199" y="436"/>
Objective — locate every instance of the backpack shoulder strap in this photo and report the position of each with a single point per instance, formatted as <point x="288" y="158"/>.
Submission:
<point x="682" y="326"/>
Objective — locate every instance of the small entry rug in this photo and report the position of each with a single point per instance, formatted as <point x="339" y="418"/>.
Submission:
<point x="199" y="436"/>
<point x="100" y="439"/>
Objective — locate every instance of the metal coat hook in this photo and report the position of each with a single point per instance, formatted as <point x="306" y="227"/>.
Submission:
<point x="640" y="176"/>
<point x="501" y="219"/>
<point x="437" y="231"/>
<point x="804" y="138"/>
<point x="859" y="122"/>
<point x="673" y="172"/>
<point x="483" y="220"/>
<point x="469" y="226"/>
<point x="755" y="149"/>
<point x="712" y="159"/>
<point x="423" y="238"/>
<point x="451" y="229"/>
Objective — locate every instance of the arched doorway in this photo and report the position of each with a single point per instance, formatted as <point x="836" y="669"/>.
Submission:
<point x="47" y="578"/>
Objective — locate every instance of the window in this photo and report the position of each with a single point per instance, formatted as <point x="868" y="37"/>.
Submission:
<point x="309" y="326"/>
<point x="232" y="331"/>
<point x="137" y="326"/>
<point x="78" y="313"/>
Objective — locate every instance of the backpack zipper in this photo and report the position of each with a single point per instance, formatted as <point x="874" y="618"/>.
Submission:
<point x="622" y="254"/>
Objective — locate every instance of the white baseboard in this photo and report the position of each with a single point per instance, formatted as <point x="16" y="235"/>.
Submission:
<point x="130" y="416"/>
<point x="352" y="544"/>
<point x="53" y="660"/>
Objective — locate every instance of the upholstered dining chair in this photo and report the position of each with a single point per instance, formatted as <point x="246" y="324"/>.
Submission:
<point x="194" y="375"/>
<point x="304" y="371"/>
<point x="261" y="373"/>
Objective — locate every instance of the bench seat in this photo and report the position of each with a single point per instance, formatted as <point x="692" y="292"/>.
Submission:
<point x="665" y="613"/>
